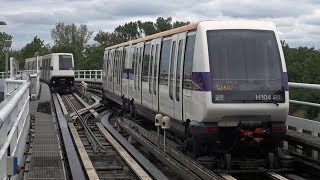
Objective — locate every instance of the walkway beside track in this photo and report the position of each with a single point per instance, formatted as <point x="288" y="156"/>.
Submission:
<point x="44" y="157"/>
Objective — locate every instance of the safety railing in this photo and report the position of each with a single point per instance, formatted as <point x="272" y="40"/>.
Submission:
<point x="14" y="125"/>
<point x="88" y="75"/>
<point x="302" y="125"/>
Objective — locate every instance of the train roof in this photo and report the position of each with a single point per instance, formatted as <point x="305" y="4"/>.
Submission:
<point x="158" y="35"/>
<point x="217" y="23"/>
<point x="34" y="58"/>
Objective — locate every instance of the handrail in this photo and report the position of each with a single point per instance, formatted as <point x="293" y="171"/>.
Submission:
<point x="304" y="86"/>
<point x="8" y="108"/>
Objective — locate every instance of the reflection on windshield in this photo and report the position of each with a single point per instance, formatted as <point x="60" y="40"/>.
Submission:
<point x="65" y="62"/>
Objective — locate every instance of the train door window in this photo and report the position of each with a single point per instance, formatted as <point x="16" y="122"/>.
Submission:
<point x="155" y="71"/>
<point x="178" y="70"/>
<point x="124" y="61"/>
<point x="139" y="68"/>
<point x="115" y="69"/>
<point x="105" y="60"/>
<point x="145" y="63"/>
<point x="173" y="53"/>
<point x="164" y="62"/>
<point x="150" y="72"/>
<point x="135" y="55"/>
<point x="188" y="62"/>
<point x="135" y="66"/>
<point x="115" y="64"/>
<point x="120" y="66"/>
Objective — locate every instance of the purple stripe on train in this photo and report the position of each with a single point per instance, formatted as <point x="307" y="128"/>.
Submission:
<point x="201" y="81"/>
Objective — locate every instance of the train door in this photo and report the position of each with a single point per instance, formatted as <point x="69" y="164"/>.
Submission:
<point x="155" y="73"/>
<point x="146" y="73"/>
<point x="125" y="72"/>
<point x="132" y="65"/>
<point x="137" y="75"/>
<point x="117" y="71"/>
<point x="177" y="88"/>
<point x="173" y="57"/>
<point x="105" y="70"/>
<point x="110" y="71"/>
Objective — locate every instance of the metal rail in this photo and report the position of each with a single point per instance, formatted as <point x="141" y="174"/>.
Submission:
<point x="95" y="143"/>
<point x="186" y="162"/>
<point x="72" y="157"/>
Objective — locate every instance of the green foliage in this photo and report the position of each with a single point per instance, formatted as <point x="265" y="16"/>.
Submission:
<point x="94" y="57"/>
<point x="130" y="31"/>
<point x="71" y="34"/>
<point x="3" y="36"/>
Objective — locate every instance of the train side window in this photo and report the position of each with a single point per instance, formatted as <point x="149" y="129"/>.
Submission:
<point x="188" y="62"/>
<point x="164" y="62"/>
<point x="155" y="71"/>
<point x="178" y="71"/>
<point x="150" y="65"/>
<point x="173" y="50"/>
<point x="145" y="63"/>
<point x="124" y="59"/>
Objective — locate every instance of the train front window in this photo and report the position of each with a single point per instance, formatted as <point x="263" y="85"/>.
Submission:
<point x="245" y="66"/>
<point x="65" y="62"/>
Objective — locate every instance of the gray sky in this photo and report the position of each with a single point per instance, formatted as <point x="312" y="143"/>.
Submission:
<point x="298" y="21"/>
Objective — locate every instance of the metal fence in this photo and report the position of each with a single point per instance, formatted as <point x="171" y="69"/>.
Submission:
<point x="301" y="125"/>
<point x="88" y="75"/>
<point x="14" y="125"/>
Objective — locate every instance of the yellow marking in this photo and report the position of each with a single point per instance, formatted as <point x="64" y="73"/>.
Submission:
<point x="137" y="169"/>
<point x="224" y="87"/>
<point x="63" y="107"/>
<point x="91" y="172"/>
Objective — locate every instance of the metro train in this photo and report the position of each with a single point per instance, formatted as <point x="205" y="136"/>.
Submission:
<point x="56" y="69"/>
<point x="223" y="84"/>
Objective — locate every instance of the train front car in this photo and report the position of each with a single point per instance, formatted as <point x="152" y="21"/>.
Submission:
<point x="62" y="78"/>
<point x="241" y="98"/>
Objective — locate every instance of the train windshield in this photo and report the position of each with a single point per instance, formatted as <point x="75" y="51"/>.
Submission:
<point x="245" y="66"/>
<point x="65" y="62"/>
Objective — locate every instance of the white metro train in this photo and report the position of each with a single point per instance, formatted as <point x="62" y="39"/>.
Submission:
<point x="56" y="69"/>
<point x="223" y="84"/>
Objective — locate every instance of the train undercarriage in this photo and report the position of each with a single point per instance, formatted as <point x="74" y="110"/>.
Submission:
<point x="240" y="147"/>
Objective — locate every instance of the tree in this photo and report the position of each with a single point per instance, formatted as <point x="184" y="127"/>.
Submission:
<point x="36" y="45"/>
<point x="94" y="57"/>
<point x="3" y="37"/>
<point x="71" y="34"/>
<point x="130" y="31"/>
<point x="180" y="23"/>
<point x="163" y="24"/>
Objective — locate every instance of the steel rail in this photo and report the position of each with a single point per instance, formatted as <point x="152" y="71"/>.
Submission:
<point x="95" y="143"/>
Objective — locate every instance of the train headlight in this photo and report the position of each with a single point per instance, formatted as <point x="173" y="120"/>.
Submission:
<point x="53" y="82"/>
<point x="276" y="97"/>
<point x="219" y="97"/>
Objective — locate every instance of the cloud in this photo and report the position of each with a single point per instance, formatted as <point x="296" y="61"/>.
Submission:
<point x="297" y="20"/>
